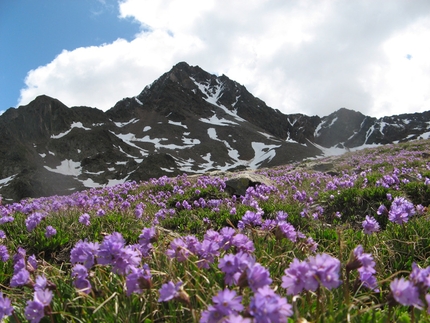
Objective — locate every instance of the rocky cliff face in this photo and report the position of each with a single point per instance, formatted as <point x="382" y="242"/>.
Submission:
<point x="186" y="121"/>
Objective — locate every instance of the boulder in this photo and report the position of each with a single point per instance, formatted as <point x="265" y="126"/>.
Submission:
<point x="238" y="184"/>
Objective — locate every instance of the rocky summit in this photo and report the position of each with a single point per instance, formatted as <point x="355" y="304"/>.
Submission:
<point x="186" y="121"/>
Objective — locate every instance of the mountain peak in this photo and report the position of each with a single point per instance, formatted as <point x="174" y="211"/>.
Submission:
<point x="188" y="120"/>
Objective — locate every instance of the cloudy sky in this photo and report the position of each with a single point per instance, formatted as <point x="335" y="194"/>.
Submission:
<point x="302" y="56"/>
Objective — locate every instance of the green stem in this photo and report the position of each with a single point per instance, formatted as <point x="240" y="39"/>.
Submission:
<point x="346" y="288"/>
<point x="318" y="303"/>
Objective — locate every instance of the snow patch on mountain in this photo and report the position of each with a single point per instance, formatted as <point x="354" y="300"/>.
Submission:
<point x="123" y="124"/>
<point x="67" y="167"/>
<point x="179" y="124"/>
<point x="215" y="120"/>
<point x="7" y="180"/>
<point x="73" y="125"/>
<point x="263" y="152"/>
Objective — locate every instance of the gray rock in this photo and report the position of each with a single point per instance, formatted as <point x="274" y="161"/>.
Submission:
<point x="241" y="182"/>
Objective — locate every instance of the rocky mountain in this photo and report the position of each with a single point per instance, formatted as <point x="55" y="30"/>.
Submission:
<point x="188" y="121"/>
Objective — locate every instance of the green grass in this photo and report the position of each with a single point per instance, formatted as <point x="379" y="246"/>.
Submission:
<point x="394" y="248"/>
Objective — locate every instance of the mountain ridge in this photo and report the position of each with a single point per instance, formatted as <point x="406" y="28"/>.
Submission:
<point x="186" y="121"/>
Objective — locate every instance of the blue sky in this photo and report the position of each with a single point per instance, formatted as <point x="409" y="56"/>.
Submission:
<point x="34" y="32"/>
<point x="307" y="56"/>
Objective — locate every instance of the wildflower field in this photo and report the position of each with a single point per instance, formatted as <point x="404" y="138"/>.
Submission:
<point x="348" y="245"/>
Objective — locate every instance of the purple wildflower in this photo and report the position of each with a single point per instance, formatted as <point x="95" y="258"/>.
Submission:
<point x="311" y="244"/>
<point x="207" y="252"/>
<point x="80" y="274"/>
<point x="257" y="277"/>
<point x="234" y="265"/>
<point x="148" y="236"/>
<point x="34" y="311"/>
<point x="178" y="249"/>
<point x="4" y="255"/>
<point x="85" y="219"/>
<point x="420" y="276"/>
<point x="213" y="235"/>
<point x="420" y="209"/>
<point x="43" y="296"/>
<point x="192" y="244"/>
<point x="400" y="210"/>
<point x="382" y="209"/>
<point x="326" y="268"/>
<point x="269" y="225"/>
<point x="171" y="291"/>
<point x="20" y="278"/>
<point x="281" y="216"/>
<point x="138" y="279"/>
<point x="243" y="243"/>
<point x="5" y="307"/>
<point x="2" y="234"/>
<point x="32" y="263"/>
<point x="129" y="256"/>
<point x="33" y="220"/>
<point x="110" y="248"/>
<point x="6" y="219"/>
<point x="370" y="225"/>
<point x="229" y="265"/>
<point x="50" y="231"/>
<point x="227" y="235"/>
<point x="225" y="303"/>
<point x="368" y="280"/>
<point x="41" y="283"/>
<point x="267" y="306"/>
<point x="298" y="277"/>
<point x="288" y="230"/>
<point x="405" y="292"/>
<point x="84" y="252"/>
<point x="251" y="219"/>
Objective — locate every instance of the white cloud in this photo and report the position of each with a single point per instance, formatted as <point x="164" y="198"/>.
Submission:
<point x="307" y="56"/>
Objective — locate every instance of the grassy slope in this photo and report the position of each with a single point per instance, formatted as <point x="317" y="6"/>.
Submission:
<point x="356" y="187"/>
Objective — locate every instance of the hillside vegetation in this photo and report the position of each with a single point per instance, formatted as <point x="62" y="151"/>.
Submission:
<point x="349" y="244"/>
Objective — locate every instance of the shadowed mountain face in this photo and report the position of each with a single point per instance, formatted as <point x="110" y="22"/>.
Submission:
<point x="187" y="121"/>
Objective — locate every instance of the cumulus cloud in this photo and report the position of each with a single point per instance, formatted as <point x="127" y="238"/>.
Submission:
<point x="312" y="57"/>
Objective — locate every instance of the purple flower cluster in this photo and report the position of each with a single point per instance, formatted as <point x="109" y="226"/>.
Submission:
<point x="85" y="219"/>
<point x="225" y="303"/>
<point x="251" y="219"/>
<point x="405" y="292"/>
<point x="206" y="251"/>
<point x="321" y="269"/>
<point x="411" y="292"/>
<point x="233" y="265"/>
<point x="33" y="220"/>
<point x="36" y="308"/>
<point x="172" y="291"/>
<point x="365" y="266"/>
<point x="22" y="268"/>
<point x="112" y="251"/>
<point x="6" y="308"/>
<point x="148" y="236"/>
<point x="370" y="225"/>
<point x="401" y="210"/>
<point x="138" y="279"/>
<point x="268" y="307"/>
<point x="50" y="231"/>
<point x="85" y="253"/>
<point x="4" y="254"/>
<point x="80" y="276"/>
